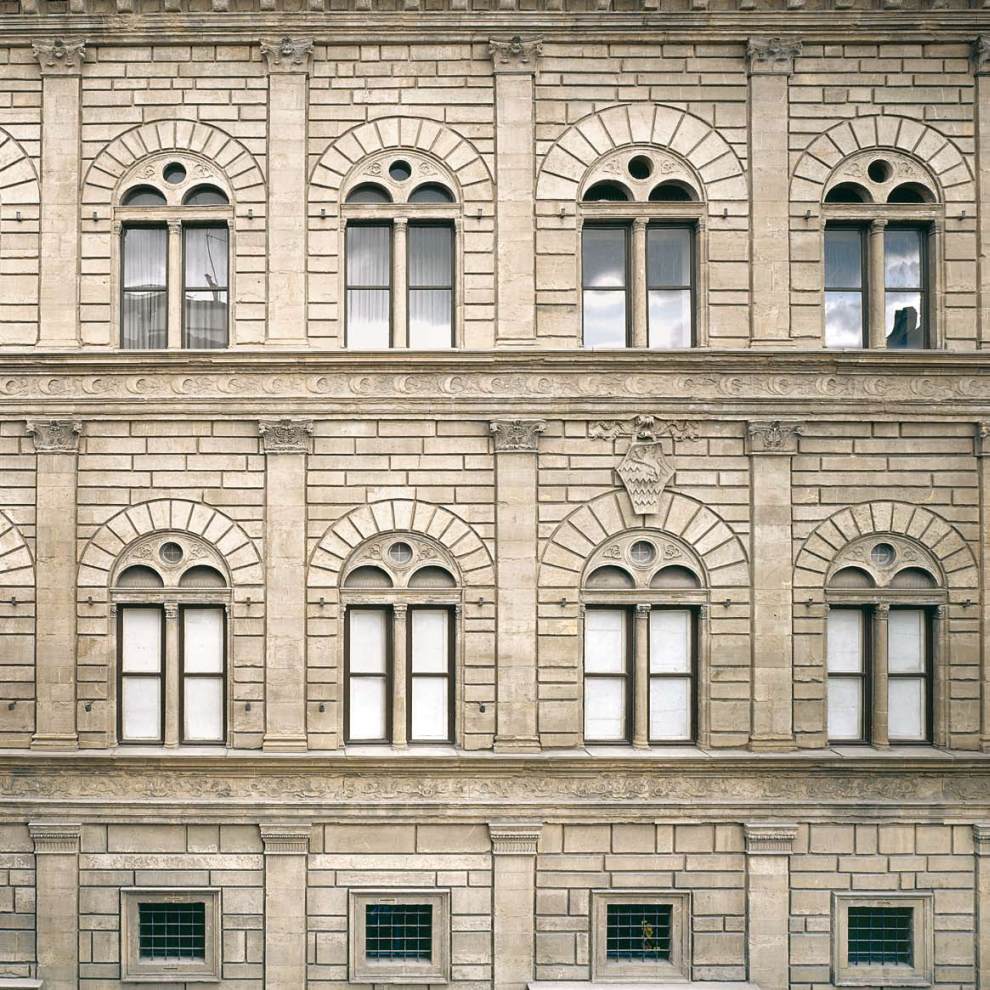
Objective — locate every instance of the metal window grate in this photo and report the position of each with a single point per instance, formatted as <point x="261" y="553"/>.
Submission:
<point x="172" y="931"/>
<point x="880" y="935"/>
<point x="638" y="932"/>
<point x="399" y="931"/>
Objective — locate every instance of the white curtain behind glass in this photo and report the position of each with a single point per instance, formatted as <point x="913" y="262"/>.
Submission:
<point x="206" y="288"/>
<point x="431" y="294"/>
<point x="144" y="299"/>
<point x="368" y="286"/>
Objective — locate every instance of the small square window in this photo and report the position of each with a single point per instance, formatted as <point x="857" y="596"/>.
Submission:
<point x="882" y="941"/>
<point x="640" y="935"/>
<point x="171" y="931"/>
<point x="400" y="936"/>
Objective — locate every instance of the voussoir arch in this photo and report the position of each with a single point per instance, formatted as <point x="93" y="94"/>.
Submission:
<point x="16" y="561"/>
<point x="227" y="153"/>
<point x="456" y="536"/>
<point x="919" y="141"/>
<point x="19" y="184"/>
<point x="720" y="551"/>
<point x="689" y="137"/>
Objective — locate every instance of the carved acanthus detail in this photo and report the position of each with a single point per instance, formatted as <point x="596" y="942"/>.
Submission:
<point x="517" y="435"/>
<point x="55" y="435"/>
<point x="771" y="56"/>
<point x="773" y="437"/>
<point x="981" y="55"/>
<point x="288" y="55"/>
<point x="286" y="436"/>
<point x="982" y="439"/>
<point x="515" y="55"/>
<point x="59" y="58"/>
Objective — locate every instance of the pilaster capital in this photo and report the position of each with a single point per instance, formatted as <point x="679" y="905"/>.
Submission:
<point x="171" y="610"/>
<point x="400" y="610"/>
<point x="517" y="436"/>
<point x="981" y="55"/>
<point x="981" y="839"/>
<point x="881" y="611"/>
<point x="515" y="55"/>
<point x="288" y="55"/>
<point x="981" y="439"/>
<point x="773" y="437"/>
<point x="58" y="58"/>
<point x="55" y="435"/>
<point x="643" y="610"/>
<point x="285" y="839"/>
<point x="771" y="56"/>
<point x="769" y="840"/>
<point x="285" y="436"/>
<point x="514" y="838"/>
<point x="55" y="837"/>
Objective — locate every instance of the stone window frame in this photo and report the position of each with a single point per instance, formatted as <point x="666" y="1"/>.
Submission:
<point x="134" y="970"/>
<point x="676" y="971"/>
<point x="922" y="972"/>
<point x="174" y="216"/>
<point x="363" y="970"/>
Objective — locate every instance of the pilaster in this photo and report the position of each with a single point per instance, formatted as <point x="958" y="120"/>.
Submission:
<point x="516" y="444"/>
<point x="285" y="443"/>
<point x="514" y="847"/>
<point x="286" y="856"/>
<point x="770" y="446"/>
<point x="514" y="63"/>
<point x="768" y="849"/>
<point x="982" y="451"/>
<point x="981" y="846"/>
<point x="56" y="443"/>
<point x="56" y="853"/>
<point x="61" y="68"/>
<point x="981" y="68"/>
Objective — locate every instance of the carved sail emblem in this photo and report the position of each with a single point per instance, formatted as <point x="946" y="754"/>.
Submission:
<point x="645" y="472"/>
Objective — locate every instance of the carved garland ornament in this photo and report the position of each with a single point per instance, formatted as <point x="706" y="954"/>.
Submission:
<point x="774" y="437"/>
<point x="59" y="58"/>
<point x="288" y="55"/>
<point x="515" y="55"/>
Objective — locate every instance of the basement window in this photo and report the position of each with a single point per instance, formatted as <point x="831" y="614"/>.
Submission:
<point x="640" y="935"/>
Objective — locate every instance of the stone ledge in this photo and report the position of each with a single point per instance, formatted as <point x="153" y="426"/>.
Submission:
<point x="592" y="985"/>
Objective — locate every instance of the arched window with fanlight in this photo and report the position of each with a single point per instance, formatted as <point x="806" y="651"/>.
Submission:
<point x="174" y="217"/>
<point x="642" y="215"/>
<point x="401" y="216"/>
<point x="885" y="598"/>
<point x="644" y="604"/>
<point x="401" y="604"/>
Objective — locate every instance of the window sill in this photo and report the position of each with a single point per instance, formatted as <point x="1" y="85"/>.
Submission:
<point x="664" y="984"/>
<point x="20" y="983"/>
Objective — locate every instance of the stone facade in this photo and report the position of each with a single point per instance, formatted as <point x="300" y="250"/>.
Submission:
<point x="517" y="463"/>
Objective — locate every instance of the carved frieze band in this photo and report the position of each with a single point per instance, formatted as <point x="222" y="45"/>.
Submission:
<point x="285" y="436"/>
<point x="770" y="840"/>
<point x="771" y="56"/>
<point x="285" y="839"/>
<point x="55" y="435"/>
<point x="981" y="839"/>
<point x="514" y="838"/>
<point x="55" y="837"/>
<point x="288" y="54"/>
<point x="515" y="55"/>
<point x="773" y="437"/>
<point x="516" y="436"/>
<point x="59" y="58"/>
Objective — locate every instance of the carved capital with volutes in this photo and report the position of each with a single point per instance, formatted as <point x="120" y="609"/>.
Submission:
<point x="285" y="839"/>
<point x="288" y="55"/>
<point x="981" y="439"/>
<point x="770" y="839"/>
<point x="285" y="436"/>
<point x="981" y="55"/>
<point x="55" y="837"/>
<point x="772" y="437"/>
<point x="514" y="838"/>
<point x="60" y="58"/>
<point x="771" y="56"/>
<point x="981" y="839"/>
<point x="59" y="436"/>
<point x="515" y="55"/>
<point x="517" y="436"/>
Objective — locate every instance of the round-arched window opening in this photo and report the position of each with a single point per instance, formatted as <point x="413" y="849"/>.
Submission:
<point x="672" y="192"/>
<point x="368" y="576"/>
<point x="431" y="192"/>
<point x="400" y="553"/>
<point x="913" y="578"/>
<point x="910" y="192"/>
<point x="368" y="193"/>
<point x="432" y="577"/>
<point x="140" y="576"/>
<point x="851" y="577"/>
<point x="202" y="576"/>
<point x="174" y="173"/>
<point x="675" y="576"/>
<point x="847" y="192"/>
<point x="642" y="552"/>
<point x="399" y="170"/>
<point x="206" y="196"/>
<point x="607" y="192"/>
<point x="883" y="555"/>
<point x="170" y="553"/>
<point x="641" y="167"/>
<point x="879" y="170"/>
<point x="143" y="196"/>
<point x="610" y="577"/>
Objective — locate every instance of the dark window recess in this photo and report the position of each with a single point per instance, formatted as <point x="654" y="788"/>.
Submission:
<point x="398" y="931"/>
<point x="881" y="935"/>
<point x="638" y="932"/>
<point x="172" y="931"/>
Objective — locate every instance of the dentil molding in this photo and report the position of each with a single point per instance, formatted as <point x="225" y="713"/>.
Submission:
<point x="515" y="838"/>
<point x="55" y="837"/>
<point x="770" y="839"/>
<point x="285" y="839"/>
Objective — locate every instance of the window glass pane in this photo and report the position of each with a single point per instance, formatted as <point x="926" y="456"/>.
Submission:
<point x="604" y="640"/>
<point x="639" y="932"/>
<point x="668" y="257"/>
<point x="367" y="641"/>
<point x="430" y="318"/>
<point x="368" y="256"/>
<point x="843" y="259"/>
<point x="844" y="319"/>
<point x="144" y="301"/>
<point x="205" y="319"/>
<point x="845" y="640"/>
<point x="202" y="709"/>
<point x="906" y="641"/>
<point x="881" y="936"/>
<point x="368" y="318"/>
<point x="366" y="708"/>
<point x="670" y="641"/>
<point x="905" y="319"/>
<point x="670" y="318"/>
<point x="605" y="708"/>
<point x="429" y="708"/>
<point x="398" y="931"/>
<point x="603" y="257"/>
<point x="144" y="320"/>
<point x="141" y="643"/>
<point x="845" y="708"/>
<point x="604" y="318"/>
<point x="670" y="708"/>
<point x="429" y="257"/>
<point x="172" y="931"/>
<point x="145" y="254"/>
<point x="141" y="708"/>
<point x="902" y="258"/>
<point x="206" y="257"/>
<point x="906" y="708"/>
<point x="202" y="641"/>
<point x="429" y="640"/>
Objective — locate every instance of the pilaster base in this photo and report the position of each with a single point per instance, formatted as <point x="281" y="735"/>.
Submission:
<point x="518" y="744"/>
<point x="55" y="741"/>
<point x="772" y="745"/>
<point x="284" y="744"/>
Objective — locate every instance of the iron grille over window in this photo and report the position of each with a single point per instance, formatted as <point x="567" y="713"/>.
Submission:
<point x="881" y="935"/>
<point x="640" y="932"/>
<point x="172" y="931"/>
<point x="399" y="931"/>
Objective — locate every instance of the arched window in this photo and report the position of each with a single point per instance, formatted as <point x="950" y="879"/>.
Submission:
<point x="640" y="213"/>
<point x="401" y="597"/>
<point x="643" y="597"/>
<point x="174" y="257"/>
<point x="171" y="598"/>
<point x="400" y="269"/>
<point x="883" y="600"/>
<point x="881" y="216"/>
